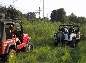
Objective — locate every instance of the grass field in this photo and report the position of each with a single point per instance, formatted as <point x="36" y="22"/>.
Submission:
<point x="44" y="52"/>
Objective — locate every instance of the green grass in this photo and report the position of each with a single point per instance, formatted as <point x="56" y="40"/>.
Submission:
<point x="44" y="52"/>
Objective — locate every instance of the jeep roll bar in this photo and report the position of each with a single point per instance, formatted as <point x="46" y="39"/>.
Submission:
<point x="69" y="25"/>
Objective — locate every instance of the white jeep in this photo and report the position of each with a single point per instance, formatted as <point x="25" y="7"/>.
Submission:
<point x="67" y="34"/>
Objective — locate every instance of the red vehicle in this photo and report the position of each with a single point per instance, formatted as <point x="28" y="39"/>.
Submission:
<point x="12" y="37"/>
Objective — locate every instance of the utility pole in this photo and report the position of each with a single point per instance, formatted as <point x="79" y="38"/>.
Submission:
<point x="39" y="12"/>
<point x="43" y="8"/>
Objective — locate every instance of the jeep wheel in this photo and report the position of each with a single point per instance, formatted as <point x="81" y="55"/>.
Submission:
<point x="55" y="42"/>
<point x="73" y="43"/>
<point x="28" y="48"/>
<point x="11" y="56"/>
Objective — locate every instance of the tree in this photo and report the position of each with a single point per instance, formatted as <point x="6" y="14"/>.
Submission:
<point x="61" y="15"/>
<point x="58" y="15"/>
<point x="31" y="16"/>
<point x="10" y="12"/>
<point x="53" y="15"/>
<point x="81" y="20"/>
<point x="13" y="13"/>
<point x="73" y="18"/>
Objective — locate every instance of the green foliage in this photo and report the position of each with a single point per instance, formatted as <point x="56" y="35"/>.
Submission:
<point x="53" y="15"/>
<point x="58" y="15"/>
<point x="75" y="19"/>
<point x="83" y="31"/>
<point x="42" y="38"/>
<point x="31" y="16"/>
<point x="82" y="46"/>
<point x="2" y="9"/>
<point x="44" y="52"/>
<point x="12" y="12"/>
<point x="81" y="20"/>
<point x="41" y="32"/>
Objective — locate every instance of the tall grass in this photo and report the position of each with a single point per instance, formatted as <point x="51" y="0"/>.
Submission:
<point x="41" y="32"/>
<point x="44" y="52"/>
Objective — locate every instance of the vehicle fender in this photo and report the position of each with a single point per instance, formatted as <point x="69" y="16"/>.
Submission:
<point x="72" y="36"/>
<point x="10" y="46"/>
<point x="28" y="41"/>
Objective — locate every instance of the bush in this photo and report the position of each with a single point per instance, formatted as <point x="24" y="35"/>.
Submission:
<point x="44" y="52"/>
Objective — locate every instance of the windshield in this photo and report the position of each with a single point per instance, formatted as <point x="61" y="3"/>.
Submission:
<point x="17" y="27"/>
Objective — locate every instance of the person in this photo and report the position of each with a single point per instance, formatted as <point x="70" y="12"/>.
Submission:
<point x="11" y="30"/>
<point x="73" y="30"/>
<point x="13" y="35"/>
<point x="65" y="29"/>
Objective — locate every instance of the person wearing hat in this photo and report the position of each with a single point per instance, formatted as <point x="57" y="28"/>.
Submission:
<point x="65" y="29"/>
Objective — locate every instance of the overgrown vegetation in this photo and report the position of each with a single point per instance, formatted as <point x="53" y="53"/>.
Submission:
<point x="44" y="51"/>
<point x="42" y="38"/>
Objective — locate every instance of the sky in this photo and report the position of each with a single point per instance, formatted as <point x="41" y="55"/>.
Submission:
<point x="70" y="6"/>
